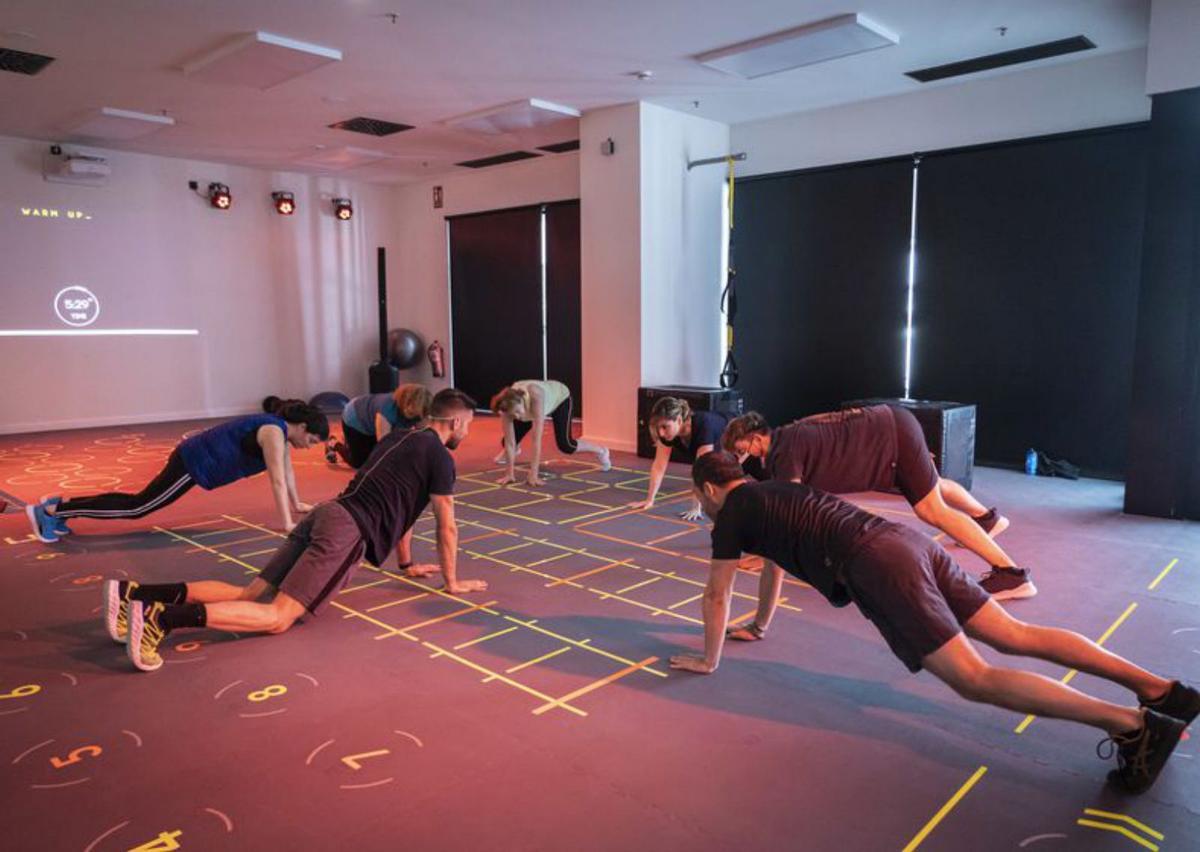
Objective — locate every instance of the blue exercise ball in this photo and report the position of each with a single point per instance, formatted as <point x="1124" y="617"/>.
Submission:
<point x="329" y="401"/>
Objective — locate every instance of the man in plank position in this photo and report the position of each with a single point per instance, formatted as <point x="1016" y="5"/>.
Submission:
<point x="874" y="449"/>
<point x="925" y="606"/>
<point x="405" y="472"/>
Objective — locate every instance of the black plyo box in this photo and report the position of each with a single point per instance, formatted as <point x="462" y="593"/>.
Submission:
<point x="949" y="429"/>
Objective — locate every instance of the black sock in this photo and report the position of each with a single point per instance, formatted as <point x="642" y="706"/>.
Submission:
<point x="986" y="516"/>
<point x="168" y="593"/>
<point x="184" y="615"/>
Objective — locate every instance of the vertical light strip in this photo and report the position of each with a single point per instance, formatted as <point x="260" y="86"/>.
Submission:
<point x="912" y="282"/>
<point x="723" y="275"/>
<point x="545" y="356"/>
<point x="449" y="304"/>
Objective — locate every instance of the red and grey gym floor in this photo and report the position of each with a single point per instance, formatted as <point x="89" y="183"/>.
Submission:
<point x="542" y="714"/>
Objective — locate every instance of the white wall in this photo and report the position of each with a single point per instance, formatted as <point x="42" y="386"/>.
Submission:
<point x="1174" y="49"/>
<point x="1106" y="90"/>
<point x="418" y="282"/>
<point x="682" y="238"/>
<point x="283" y="304"/>
<point x="611" y="269"/>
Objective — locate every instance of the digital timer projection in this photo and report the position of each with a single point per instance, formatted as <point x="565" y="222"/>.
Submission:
<point x="58" y="265"/>
<point x="77" y="306"/>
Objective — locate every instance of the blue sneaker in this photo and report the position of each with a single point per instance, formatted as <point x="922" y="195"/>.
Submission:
<point x="60" y="524"/>
<point x="42" y="522"/>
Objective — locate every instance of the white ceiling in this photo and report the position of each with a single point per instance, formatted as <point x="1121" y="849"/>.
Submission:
<point x="443" y="58"/>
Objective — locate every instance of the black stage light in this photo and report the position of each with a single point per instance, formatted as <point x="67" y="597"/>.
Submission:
<point x="219" y="196"/>
<point x="285" y="203"/>
<point x="343" y="209"/>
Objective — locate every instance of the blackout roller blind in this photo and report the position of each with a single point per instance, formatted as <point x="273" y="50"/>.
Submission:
<point x="1028" y="263"/>
<point x="822" y="258"/>
<point x="495" y="298"/>
<point x="563" y="332"/>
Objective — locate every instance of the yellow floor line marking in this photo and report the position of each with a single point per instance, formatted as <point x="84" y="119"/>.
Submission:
<point x="604" y="681"/>
<point x="1164" y="573"/>
<point x="509" y="549"/>
<point x="1124" y="818"/>
<point x="637" y="585"/>
<point x="661" y="539"/>
<point x="365" y="586"/>
<point x="407" y="629"/>
<point x="241" y="540"/>
<point x="505" y="513"/>
<point x="571" y="580"/>
<point x="542" y="658"/>
<point x="686" y="601"/>
<point x="482" y="536"/>
<point x="1119" y="829"/>
<point x="551" y="559"/>
<point x="398" y="602"/>
<point x="224" y="557"/>
<point x="213" y="532"/>
<point x="353" y="613"/>
<point x="945" y="809"/>
<point x="257" y="552"/>
<point x="497" y="676"/>
<point x="462" y="645"/>
<point x="584" y="643"/>
<point x="1069" y="676"/>
<point x="654" y="610"/>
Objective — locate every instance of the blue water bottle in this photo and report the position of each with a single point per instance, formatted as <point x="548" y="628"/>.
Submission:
<point x="1031" y="462"/>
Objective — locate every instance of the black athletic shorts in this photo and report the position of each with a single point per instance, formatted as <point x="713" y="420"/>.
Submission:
<point x="318" y="557"/>
<point x="912" y="591"/>
<point x="916" y="475"/>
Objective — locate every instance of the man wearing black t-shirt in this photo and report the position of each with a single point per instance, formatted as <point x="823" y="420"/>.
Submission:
<point x="405" y="472"/>
<point x="875" y="449"/>
<point x="925" y="606"/>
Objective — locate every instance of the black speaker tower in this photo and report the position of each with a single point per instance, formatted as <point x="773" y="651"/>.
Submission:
<point x="382" y="377"/>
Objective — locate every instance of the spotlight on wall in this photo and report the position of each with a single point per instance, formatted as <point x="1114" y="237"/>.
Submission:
<point x="343" y="209"/>
<point x="219" y="196"/>
<point x="285" y="203"/>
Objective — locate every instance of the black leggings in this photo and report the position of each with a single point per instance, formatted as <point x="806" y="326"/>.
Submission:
<point x="163" y="490"/>
<point x="355" y="447"/>
<point x="561" y="417"/>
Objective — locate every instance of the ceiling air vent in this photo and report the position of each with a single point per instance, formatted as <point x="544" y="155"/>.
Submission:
<point x="371" y="126"/>
<point x="511" y="157"/>
<point x="20" y="62"/>
<point x="560" y="147"/>
<point x="1005" y="58"/>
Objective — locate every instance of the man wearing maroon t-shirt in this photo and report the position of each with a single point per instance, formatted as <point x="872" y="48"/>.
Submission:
<point x="876" y="449"/>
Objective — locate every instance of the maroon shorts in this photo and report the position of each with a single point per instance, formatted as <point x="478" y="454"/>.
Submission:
<point x="912" y="591"/>
<point x="916" y="475"/>
<point x="318" y="557"/>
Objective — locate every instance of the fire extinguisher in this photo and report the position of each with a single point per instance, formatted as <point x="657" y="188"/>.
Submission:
<point x="436" y="359"/>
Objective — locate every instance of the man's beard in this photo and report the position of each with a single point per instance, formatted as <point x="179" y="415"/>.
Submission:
<point x="453" y="442"/>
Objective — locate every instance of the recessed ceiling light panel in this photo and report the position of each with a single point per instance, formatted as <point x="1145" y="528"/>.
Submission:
<point x="113" y="123"/>
<point x="260" y="60"/>
<point x="842" y="35"/>
<point x="513" y="117"/>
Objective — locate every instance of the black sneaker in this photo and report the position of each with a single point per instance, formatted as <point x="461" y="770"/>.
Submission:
<point x="1005" y="584"/>
<point x="1181" y="702"/>
<point x="1141" y="757"/>
<point x="992" y="523"/>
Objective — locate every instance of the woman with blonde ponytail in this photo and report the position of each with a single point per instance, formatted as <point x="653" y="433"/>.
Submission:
<point x="523" y="408"/>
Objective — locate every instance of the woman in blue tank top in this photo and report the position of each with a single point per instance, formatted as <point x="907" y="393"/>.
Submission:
<point x="217" y="456"/>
